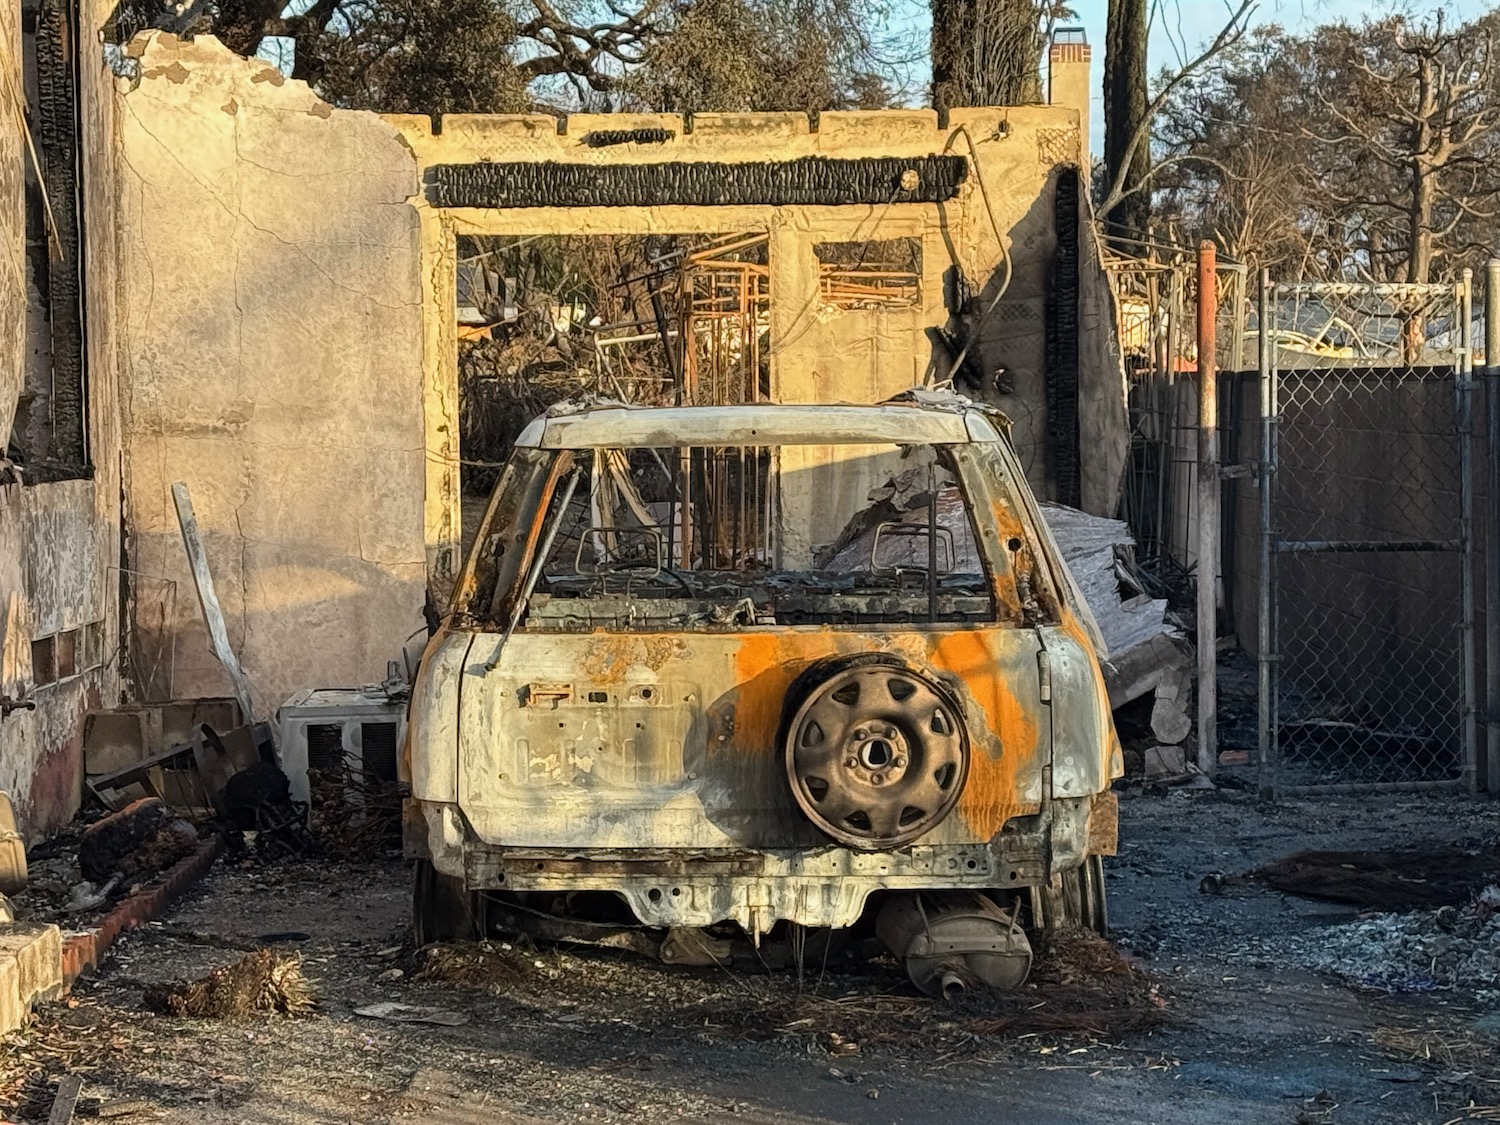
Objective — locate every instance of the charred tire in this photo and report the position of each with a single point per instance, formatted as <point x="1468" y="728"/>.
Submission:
<point x="442" y="910"/>
<point x="876" y="751"/>
<point x="1074" y="900"/>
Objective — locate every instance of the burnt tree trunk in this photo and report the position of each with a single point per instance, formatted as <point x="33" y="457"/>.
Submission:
<point x="985" y="52"/>
<point x="1125" y="112"/>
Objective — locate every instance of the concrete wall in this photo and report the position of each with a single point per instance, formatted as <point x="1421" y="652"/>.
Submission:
<point x="57" y="540"/>
<point x="272" y="348"/>
<point x="12" y="226"/>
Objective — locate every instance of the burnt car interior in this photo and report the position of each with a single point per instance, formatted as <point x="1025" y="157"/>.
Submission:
<point x="702" y="538"/>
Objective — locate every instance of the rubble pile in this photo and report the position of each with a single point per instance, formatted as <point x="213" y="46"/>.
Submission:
<point x="141" y="839"/>
<point x="1147" y="656"/>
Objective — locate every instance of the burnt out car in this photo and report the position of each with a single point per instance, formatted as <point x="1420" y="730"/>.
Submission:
<point x="768" y="664"/>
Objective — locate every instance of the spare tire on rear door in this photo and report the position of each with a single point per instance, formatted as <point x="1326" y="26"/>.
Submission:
<point x="876" y="750"/>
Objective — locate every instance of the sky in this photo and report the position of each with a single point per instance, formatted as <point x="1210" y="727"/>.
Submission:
<point x="1181" y="28"/>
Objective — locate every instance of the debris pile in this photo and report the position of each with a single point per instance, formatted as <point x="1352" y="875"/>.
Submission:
<point x="1452" y="947"/>
<point x="261" y="982"/>
<point x="483" y="964"/>
<point x="142" y="838"/>
<point x="258" y="801"/>
<point x="353" y="813"/>
<point x="1425" y="950"/>
<point x="1080" y="984"/>
<point x="1146" y="653"/>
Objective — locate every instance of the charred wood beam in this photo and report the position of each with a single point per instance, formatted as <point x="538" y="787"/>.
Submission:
<point x="56" y="129"/>
<point x="812" y="180"/>
<point x="1061" y="389"/>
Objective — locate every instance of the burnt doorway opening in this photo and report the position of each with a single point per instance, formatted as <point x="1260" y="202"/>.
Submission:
<point x="657" y="320"/>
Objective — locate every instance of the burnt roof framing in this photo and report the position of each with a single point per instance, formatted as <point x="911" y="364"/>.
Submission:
<point x="807" y="181"/>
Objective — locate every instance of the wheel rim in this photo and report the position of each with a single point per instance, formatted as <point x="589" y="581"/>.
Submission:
<point x="877" y="756"/>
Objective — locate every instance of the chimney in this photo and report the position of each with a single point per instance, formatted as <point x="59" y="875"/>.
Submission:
<point x="1068" y="77"/>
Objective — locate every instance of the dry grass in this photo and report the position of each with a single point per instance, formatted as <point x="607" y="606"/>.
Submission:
<point x="1475" y="1059"/>
<point x="1080" y="984"/>
<point x="471" y="965"/>
<point x="1426" y="1045"/>
<point x="259" y="983"/>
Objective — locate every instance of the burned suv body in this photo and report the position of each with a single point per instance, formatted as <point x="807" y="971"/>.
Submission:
<point x="755" y="663"/>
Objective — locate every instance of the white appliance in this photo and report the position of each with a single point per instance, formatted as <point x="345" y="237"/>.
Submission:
<point x="324" y="728"/>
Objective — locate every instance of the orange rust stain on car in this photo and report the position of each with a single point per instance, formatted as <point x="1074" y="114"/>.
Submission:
<point x="611" y="655"/>
<point x="1010" y="530"/>
<point x="991" y="796"/>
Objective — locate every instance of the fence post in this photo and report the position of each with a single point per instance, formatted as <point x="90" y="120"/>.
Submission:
<point x="1266" y="634"/>
<point x="1237" y="325"/>
<point x="1463" y="378"/>
<point x="1492" y="526"/>
<point x="1208" y="509"/>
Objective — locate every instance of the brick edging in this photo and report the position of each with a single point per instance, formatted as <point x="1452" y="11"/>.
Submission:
<point x="82" y="952"/>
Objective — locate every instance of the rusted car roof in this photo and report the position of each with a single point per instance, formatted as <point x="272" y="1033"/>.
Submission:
<point x="758" y="424"/>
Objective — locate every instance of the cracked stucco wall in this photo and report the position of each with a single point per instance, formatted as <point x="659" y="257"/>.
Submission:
<point x="271" y="348"/>
<point x="12" y="223"/>
<point x="58" y="541"/>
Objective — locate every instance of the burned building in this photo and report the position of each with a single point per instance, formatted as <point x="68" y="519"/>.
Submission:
<point x="250" y="291"/>
<point x="61" y="565"/>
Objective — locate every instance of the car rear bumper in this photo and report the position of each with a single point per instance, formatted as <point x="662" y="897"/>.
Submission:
<point x="813" y="887"/>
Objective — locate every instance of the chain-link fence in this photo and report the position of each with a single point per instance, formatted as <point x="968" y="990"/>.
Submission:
<point x="1365" y="647"/>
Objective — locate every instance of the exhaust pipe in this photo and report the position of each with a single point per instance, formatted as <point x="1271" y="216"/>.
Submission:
<point x="952" y="940"/>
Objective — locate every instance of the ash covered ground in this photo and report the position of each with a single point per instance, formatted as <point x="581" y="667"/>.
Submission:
<point x="1245" y="1005"/>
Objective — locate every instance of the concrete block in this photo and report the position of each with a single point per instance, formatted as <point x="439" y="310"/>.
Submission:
<point x="1165" y="761"/>
<point x="30" y="970"/>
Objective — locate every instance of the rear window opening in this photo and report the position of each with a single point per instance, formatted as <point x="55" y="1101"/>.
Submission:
<point x="733" y="538"/>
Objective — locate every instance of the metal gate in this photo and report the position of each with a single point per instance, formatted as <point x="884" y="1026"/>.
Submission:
<point x="1366" y="645"/>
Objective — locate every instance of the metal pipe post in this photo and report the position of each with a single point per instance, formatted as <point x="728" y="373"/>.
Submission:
<point x="1237" y="325"/>
<point x="1463" y="380"/>
<point x="1492" y="526"/>
<point x="1208" y="510"/>
<point x="1264" y="657"/>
